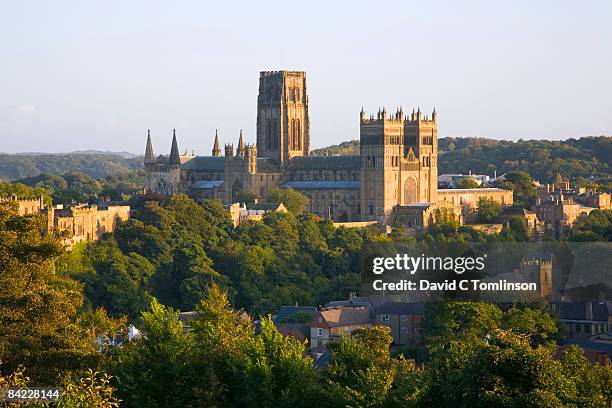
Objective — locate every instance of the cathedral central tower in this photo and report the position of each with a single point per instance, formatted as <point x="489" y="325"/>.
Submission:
<point x="283" y="126"/>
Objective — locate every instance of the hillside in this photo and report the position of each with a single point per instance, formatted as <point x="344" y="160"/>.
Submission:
<point x="587" y="158"/>
<point x="98" y="165"/>
<point x="576" y="159"/>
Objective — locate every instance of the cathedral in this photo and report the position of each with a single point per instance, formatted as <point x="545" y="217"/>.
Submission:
<point x="393" y="179"/>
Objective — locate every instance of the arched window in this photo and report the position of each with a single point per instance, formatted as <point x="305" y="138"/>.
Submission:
<point x="236" y="188"/>
<point x="410" y="190"/>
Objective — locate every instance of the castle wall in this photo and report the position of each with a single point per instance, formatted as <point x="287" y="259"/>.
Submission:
<point x="85" y="223"/>
<point x="26" y="206"/>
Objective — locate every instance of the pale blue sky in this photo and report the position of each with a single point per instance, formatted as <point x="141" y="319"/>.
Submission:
<point x="96" y="74"/>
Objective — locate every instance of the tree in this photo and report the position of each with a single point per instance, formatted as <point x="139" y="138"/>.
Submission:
<point x="466" y="183"/>
<point x="362" y="373"/>
<point x="295" y="201"/>
<point x="154" y="370"/>
<point x="522" y="186"/>
<point x="488" y="210"/>
<point x="38" y="308"/>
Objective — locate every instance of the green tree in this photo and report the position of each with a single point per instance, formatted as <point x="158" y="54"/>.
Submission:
<point x="295" y="201"/>
<point x="466" y="183"/>
<point x="362" y="373"/>
<point x="488" y="210"/>
<point x="38" y="308"/>
<point x="154" y="370"/>
<point x="522" y="186"/>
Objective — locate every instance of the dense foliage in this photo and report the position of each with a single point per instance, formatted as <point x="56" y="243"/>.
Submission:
<point x="478" y="355"/>
<point x="172" y="249"/>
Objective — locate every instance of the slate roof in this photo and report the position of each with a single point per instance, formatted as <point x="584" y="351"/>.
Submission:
<point x="296" y="330"/>
<point x="325" y="163"/>
<point x="323" y="360"/>
<point x="401" y="308"/>
<point x="312" y="185"/>
<point x="206" y="184"/>
<point x="578" y="310"/>
<point x="263" y="207"/>
<point x="372" y="301"/>
<point x="208" y="163"/>
<point x="592" y="345"/>
<point x="286" y="312"/>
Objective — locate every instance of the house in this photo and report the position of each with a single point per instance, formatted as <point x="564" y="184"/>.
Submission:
<point x="403" y="319"/>
<point x="329" y="324"/>
<point x="295" y="321"/>
<point x="372" y="301"/>
<point x="240" y="212"/>
<point x="586" y="320"/>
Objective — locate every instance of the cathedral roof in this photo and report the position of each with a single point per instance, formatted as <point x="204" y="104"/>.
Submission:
<point x="325" y="163"/>
<point x="206" y="184"/>
<point x="313" y="185"/>
<point x="210" y="163"/>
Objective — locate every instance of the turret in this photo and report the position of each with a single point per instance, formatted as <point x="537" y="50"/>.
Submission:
<point x="362" y="114"/>
<point x="149" y="159"/>
<point x="229" y="150"/>
<point x="174" y="151"/>
<point x="434" y="115"/>
<point x="240" y="148"/>
<point x="251" y="155"/>
<point x="216" y="151"/>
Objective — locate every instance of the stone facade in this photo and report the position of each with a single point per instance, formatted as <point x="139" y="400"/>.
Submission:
<point x="26" y="206"/>
<point x="76" y="223"/>
<point x="397" y="166"/>
<point x="85" y="222"/>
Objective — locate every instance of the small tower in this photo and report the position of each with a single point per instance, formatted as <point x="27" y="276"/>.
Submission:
<point x="216" y="151"/>
<point x="251" y="156"/>
<point x="229" y="150"/>
<point x="240" y="149"/>
<point x="149" y="158"/>
<point x="174" y="159"/>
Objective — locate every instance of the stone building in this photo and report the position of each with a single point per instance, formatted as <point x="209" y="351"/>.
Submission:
<point x="75" y="223"/>
<point x="395" y="173"/>
<point x="84" y="222"/>
<point x="26" y="206"/>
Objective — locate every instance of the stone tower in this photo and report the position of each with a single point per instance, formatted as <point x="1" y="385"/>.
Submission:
<point x="283" y="126"/>
<point x="399" y="162"/>
<point x="163" y="175"/>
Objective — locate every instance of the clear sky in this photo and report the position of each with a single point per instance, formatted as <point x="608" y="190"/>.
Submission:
<point x="80" y="75"/>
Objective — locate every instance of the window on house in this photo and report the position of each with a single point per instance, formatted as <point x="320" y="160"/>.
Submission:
<point x="371" y="209"/>
<point x="577" y="328"/>
<point x="319" y="332"/>
<point x="587" y="328"/>
<point x="404" y="317"/>
<point x="384" y="318"/>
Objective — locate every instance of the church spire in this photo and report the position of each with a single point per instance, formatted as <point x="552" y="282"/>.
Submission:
<point x="240" y="149"/>
<point x="174" y="151"/>
<point x="216" y="151"/>
<point x="148" y="159"/>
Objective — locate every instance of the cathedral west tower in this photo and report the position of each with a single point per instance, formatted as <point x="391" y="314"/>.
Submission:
<point x="283" y="126"/>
